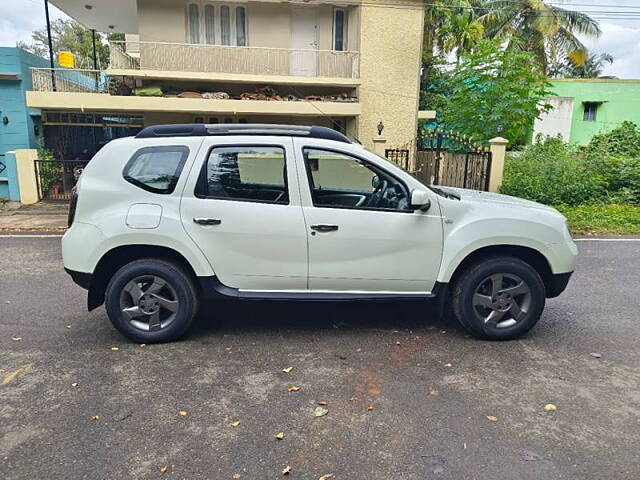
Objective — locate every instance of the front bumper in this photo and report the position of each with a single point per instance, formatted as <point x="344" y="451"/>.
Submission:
<point x="557" y="284"/>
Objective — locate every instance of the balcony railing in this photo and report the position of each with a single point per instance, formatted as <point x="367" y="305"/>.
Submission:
<point x="65" y="80"/>
<point x="182" y="57"/>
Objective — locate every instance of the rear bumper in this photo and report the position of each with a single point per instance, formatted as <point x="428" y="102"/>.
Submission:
<point x="557" y="284"/>
<point x="80" y="278"/>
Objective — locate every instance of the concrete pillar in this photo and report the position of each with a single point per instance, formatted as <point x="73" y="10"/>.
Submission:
<point x="27" y="181"/>
<point x="379" y="145"/>
<point x="498" y="147"/>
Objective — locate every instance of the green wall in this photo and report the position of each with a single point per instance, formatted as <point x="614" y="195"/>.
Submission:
<point x="621" y="101"/>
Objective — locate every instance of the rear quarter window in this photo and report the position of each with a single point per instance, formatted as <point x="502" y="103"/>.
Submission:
<point x="156" y="169"/>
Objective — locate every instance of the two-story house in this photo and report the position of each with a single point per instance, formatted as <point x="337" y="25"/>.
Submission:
<point x="348" y="64"/>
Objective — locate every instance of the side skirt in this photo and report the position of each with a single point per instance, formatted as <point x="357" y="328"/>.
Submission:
<point x="212" y="289"/>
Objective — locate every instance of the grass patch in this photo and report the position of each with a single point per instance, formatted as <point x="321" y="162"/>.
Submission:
<point x="603" y="219"/>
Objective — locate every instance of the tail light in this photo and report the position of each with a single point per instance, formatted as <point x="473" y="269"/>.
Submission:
<point x="72" y="206"/>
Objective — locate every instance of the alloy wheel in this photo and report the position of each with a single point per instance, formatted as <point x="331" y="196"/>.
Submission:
<point x="501" y="300"/>
<point x="149" y="303"/>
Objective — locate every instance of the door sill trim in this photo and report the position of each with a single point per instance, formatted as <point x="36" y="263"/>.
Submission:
<point x="213" y="288"/>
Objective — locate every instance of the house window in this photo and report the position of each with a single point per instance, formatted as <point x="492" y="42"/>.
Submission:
<point x="590" y="111"/>
<point x="209" y="24"/>
<point x="241" y="37"/>
<point x="193" y="19"/>
<point x="339" y="29"/>
<point x="225" y="25"/>
<point x="212" y="23"/>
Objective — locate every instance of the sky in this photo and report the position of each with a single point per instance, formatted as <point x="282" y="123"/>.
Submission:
<point x="619" y="22"/>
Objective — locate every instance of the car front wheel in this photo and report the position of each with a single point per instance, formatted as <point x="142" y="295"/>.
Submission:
<point x="151" y="300"/>
<point x="500" y="298"/>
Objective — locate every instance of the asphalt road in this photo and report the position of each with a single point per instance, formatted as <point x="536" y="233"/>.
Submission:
<point x="430" y="386"/>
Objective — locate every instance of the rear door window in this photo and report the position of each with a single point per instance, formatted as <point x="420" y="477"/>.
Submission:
<point x="245" y="173"/>
<point x="156" y="169"/>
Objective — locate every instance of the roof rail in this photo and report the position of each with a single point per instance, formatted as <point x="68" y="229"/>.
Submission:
<point x="201" y="130"/>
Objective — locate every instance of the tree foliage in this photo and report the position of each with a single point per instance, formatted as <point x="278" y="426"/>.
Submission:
<point x="70" y="36"/>
<point x="493" y="91"/>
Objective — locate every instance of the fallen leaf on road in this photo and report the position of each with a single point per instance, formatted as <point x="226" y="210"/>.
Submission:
<point x="182" y="413"/>
<point x="320" y="411"/>
<point x="448" y="365"/>
<point x="398" y="343"/>
<point x="236" y="476"/>
<point x="115" y="349"/>
<point x="142" y="345"/>
<point x="235" y="424"/>
<point x="68" y="326"/>
<point x="323" y="404"/>
<point x="95" y="417"/>
<point x="9" y="377"/>
<point x="16" y="339"/>
<point x="549" y="407"/>
<point x="491" y="418"/>
<point x="280" y="435"/>
<point x="287" y="470"/>
<point x="75" y="384"/>
<point x="369" y="408"/>
<point x="293" y="388"/>
<point x="287" y="370"/>
<point x="165" y="469"/>
<point x="433" y="392"/>
<point x="596" y="355"/>
<point x="328" y="476"/>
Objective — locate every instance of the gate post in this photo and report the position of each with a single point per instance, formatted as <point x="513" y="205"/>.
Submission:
<point x="27" y="181"/>
<point x="498" y="148"/>
<point x="379" y="145"/>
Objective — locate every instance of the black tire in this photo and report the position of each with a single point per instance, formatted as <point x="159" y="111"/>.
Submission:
<point x="471" y="311"/>
<point x="179" y="284"/>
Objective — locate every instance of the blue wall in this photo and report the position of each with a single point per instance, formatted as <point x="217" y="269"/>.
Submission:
<point x="19" y="132"/>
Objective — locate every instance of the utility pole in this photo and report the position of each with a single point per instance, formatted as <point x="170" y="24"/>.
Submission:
<point x="53" y="74"/>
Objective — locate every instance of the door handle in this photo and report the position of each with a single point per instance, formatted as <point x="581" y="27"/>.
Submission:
<point x="324" y="228"/>
<point x="207" y="221"/>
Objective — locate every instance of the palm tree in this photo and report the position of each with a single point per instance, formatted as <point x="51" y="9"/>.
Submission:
<point x="547" y="31"/>
<point x="462" y="33"/>
<point x="591" y="68"/>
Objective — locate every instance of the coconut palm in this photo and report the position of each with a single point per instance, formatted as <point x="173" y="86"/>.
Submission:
<point x="591" y="68"/>
<point x="462" y="33"/>
<point x="547" y="31"/>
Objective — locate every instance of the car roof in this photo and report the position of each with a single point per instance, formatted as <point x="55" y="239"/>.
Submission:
<point x="201" y="130"/>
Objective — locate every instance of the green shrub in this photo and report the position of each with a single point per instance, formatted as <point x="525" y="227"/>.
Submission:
<point x="552" y="172"/>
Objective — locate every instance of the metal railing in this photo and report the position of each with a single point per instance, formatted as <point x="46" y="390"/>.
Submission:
<point x="184" y="57"/>
<point x="68" y="80"/>
<point x="56" y="178"/>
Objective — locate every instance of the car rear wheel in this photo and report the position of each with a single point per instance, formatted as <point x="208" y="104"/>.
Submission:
<point x="500" y="298"/>
<point x="151" y="301"/>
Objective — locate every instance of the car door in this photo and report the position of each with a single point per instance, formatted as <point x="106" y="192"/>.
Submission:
<point x="242" y="208"/>
<point x="362" y="234"/>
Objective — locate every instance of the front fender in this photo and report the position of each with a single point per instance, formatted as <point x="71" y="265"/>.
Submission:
<point x="461" y="242"/>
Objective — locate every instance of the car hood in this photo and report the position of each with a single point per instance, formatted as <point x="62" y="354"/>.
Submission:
<point x="477" y="196"/>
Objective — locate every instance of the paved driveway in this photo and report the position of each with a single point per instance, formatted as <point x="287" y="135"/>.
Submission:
<point x="408" y="397"/>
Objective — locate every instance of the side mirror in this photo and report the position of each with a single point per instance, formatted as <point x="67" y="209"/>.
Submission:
<point x="420" y="200"/>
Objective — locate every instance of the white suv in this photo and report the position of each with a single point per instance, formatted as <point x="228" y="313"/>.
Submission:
<point x="184" y="213"/>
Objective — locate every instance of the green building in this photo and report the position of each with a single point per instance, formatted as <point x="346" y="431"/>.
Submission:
<point x="585" y="107"/>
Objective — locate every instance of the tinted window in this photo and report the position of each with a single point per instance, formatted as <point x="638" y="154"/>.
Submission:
<point x="241" y="36"/>
<point x="247" y="173"/>
<point x="156" y="169"/>
<point x="338" y="30"/>
<point x="340" y="180"/>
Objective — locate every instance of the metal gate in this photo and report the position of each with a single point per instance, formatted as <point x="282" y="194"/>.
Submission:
<point x="447" y="159"/>
<point x="56" y="178"/>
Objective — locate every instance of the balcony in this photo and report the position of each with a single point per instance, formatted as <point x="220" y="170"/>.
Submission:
<point x="263" y="61"/>
<point x="93" y="90"/>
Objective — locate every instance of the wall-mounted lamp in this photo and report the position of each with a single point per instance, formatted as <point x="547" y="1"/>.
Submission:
<point x="36" y="130"/>
<point x="5" y="120"/>
<point x="380" y="128"/>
